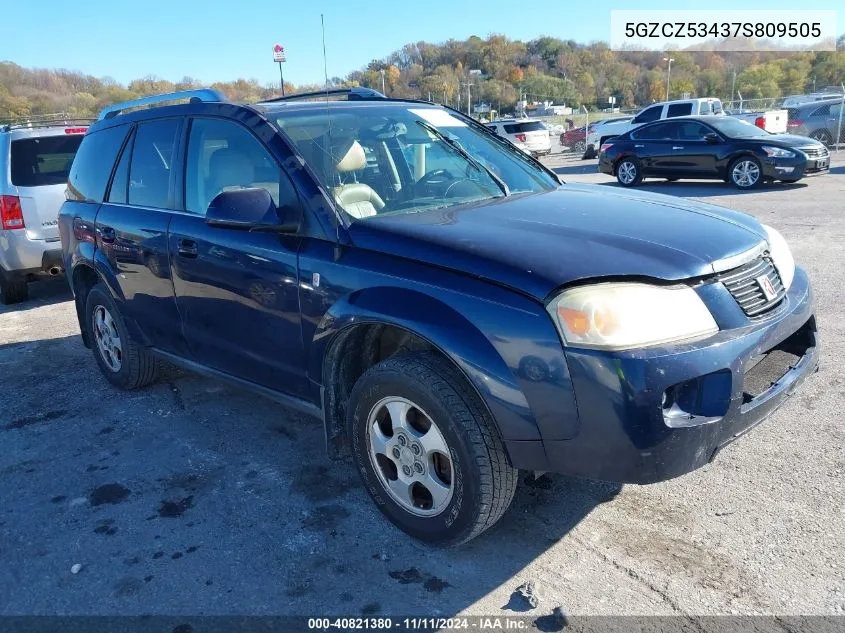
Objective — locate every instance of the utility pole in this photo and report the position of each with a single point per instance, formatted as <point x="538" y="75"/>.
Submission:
<point x="733" y="88"/>
<point x="469" y="97"/>
<point x="382" y="82"/>
<point x="668" y="74"/>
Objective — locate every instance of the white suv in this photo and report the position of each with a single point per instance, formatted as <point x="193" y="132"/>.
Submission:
<point x="35" y="158"/>
<point x="531" y="136"/>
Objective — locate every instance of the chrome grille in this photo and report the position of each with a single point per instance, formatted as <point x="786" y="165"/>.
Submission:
<point x="744" y="285"/>
<point x="815" y="152"/>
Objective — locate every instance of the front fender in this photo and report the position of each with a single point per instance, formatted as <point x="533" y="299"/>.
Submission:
<point x="447" y="326"/>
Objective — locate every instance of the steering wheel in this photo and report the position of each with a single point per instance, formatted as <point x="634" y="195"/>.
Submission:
<point x="435" y="178"/>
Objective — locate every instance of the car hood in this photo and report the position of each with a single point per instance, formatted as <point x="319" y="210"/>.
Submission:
<point x="789" y="140"/>
<point x="536" y="243"/>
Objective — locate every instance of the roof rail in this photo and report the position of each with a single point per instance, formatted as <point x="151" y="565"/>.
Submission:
<point x="43" y="120"/>
<point x="358" y="93"/>
<point x="203" y="94"/>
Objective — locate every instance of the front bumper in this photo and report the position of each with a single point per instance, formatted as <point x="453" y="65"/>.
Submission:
<point x="795" y="168"/>
<point x="625" y="433"/>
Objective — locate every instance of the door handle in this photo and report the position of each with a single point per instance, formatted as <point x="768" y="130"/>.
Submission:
<point x="640" y="145"/>
<point x="677" y="147"/>
<point x="187" y="248"/>
<point x="106" y="234"/>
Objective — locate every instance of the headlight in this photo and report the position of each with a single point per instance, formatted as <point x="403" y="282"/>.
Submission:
<point x="781" y="256"/>
<point x="777" y="152"/>
<point x="624" y="315"/>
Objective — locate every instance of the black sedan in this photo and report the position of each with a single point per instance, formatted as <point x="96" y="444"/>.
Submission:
<point x="711" y="147"/>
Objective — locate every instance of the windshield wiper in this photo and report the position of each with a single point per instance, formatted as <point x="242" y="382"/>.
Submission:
<point x="457" y="147"/>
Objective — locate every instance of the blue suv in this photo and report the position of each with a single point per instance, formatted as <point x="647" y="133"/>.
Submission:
<point x="448" y="308"/>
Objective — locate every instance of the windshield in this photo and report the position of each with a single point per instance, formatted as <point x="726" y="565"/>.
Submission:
<point x="402" y="158"/>
<point x="729" y="126"/>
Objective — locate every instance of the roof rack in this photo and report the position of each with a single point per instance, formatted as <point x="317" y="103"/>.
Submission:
<point x="358" y="93"/>
<point x="206" y="95"/>
<point x="43" y="120"/>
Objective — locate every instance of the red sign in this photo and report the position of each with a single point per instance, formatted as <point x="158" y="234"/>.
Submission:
<point x="279" y="53"/>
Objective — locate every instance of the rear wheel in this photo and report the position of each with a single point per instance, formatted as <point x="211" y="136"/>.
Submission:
<point x="124" y="362"/>
<point x="579" y="147"/>
<point x="628" y="172"/>
<point x="12" y="290"/>
<point x="427" y="451"/>
<point x="745" y="172"/>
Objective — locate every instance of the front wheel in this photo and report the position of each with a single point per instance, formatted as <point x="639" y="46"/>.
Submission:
<point x="427" y="451"/>
<point x="580" y="147"/>
<point x="628" y="172"/>
<point x="745" y="173"/>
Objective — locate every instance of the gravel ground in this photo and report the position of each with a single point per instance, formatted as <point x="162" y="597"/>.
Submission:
<point x="192" y="498"/>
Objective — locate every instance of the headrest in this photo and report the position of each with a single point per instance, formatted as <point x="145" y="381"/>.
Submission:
<point x="353" y="159"/>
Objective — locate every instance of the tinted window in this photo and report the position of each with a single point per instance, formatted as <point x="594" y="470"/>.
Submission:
<point x="44" y="160"/>
<point x="822" y="111"/>
<point x="223" y="156"/>
<point x="658" y="131"/>
<point x="649" y="114"/>
<point x="521" y="128"/>
<point x="691" y="131"/>
<point x="92" y="166"/>
<point x="679" y="109"/>
<point x="120" y="181"/>
<point x="152" y="162"/>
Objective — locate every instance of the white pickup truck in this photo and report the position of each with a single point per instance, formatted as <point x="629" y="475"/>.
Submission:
<point x="773" y="121"/>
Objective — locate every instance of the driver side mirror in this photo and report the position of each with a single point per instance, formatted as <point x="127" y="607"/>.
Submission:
<point x="712" y="137"/>
<point x="251" y="209"/>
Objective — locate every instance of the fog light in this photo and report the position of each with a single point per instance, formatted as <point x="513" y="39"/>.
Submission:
<point x="786" y="170"/>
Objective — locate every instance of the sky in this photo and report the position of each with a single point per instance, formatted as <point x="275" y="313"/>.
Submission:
<point x="212" y="40"/>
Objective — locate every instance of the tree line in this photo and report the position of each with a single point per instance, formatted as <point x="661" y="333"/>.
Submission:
<point x="499" y="69"/>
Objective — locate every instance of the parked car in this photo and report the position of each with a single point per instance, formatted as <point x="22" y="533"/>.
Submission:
<point x="606" y="128"/>
<point x="711" y="147"/>
<point x="819" y="120"/>
<point x="575" y="139"/>
<point x="35" y="158"/>
<point x="530" y="134"/>
<point x="451" y="318"/>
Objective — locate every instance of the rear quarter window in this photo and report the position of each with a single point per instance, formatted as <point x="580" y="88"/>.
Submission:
<point x="43" y="160"/>
<point x="679" y="109"/>
<point x="521" y="128"/>
<point x="93" y="164"/>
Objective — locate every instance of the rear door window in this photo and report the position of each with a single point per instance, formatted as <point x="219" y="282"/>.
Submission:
<point x="657" y="132"/>
<point x="152" y="163"/>
<point x="120" y="181"/>
<point x="93" y="164"/>
<point x="43" y="160"/>
<point x="679" y="109"/>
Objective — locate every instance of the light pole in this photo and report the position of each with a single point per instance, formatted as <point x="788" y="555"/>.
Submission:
<point x="469" y="97"/>
<point x="382" y="82"/>
<point x="668" y="74"/>
<point x="733" y="88"/>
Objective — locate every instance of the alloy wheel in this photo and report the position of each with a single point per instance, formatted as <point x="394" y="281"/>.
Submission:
<point x="410" y="456"/>
<point x="627" y="172"/>
<point x="108" y="339"/>
<point x="746" y="173"/>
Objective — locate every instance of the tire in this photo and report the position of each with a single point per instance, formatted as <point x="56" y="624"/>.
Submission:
<point x="823" y="136"/>
<point x="12" y="290"/>
<point x="580" y="147"/>
<point x="749" y="166"/>
<point x="124" y="362"/>
<point x="434" y="400"/>
<point x="628" y="172"/>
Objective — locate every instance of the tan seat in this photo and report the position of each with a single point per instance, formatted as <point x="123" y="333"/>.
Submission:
<point x="358" y="199"/>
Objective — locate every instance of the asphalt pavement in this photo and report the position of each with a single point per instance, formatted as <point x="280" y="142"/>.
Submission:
<point x="191" y="497"/>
